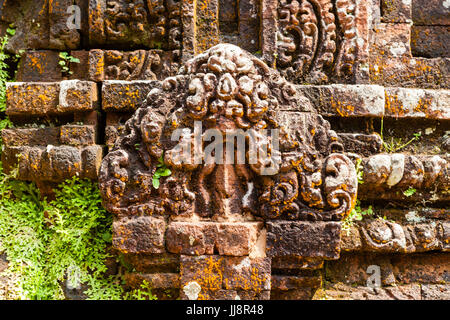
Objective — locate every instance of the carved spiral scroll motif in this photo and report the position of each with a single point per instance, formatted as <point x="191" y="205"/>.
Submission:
<point x="316" y="39"/>
<point x="226" y="88"/>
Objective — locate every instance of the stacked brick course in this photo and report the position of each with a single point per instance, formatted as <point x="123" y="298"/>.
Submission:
<point x="357" y="63"/>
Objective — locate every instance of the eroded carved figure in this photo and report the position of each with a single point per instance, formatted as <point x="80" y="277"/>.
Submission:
<point x="227" y="89"/>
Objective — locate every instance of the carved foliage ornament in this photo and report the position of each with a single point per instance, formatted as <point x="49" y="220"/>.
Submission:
<point x="224" y="89"/>
<point x="316" y="39"/>
<point x="154" y="23"/>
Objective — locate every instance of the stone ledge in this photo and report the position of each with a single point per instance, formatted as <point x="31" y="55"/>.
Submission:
<point x="417" y="103"/>
<point x="377" y="101"/>
<point x="329" y="100"/>
<point x="346" y="100"/>
<point x="72" y="135"/>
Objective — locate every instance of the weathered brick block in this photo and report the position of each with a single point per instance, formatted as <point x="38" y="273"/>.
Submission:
<point x="39" y="66"/>
<point x="351" y="239"/>
<point x="80" y="71"/>
<point x="125" y="95"/>
<point x="304" y="239"/>
<point x="154" y="280"/>
<point x="243" y="273"/>
<point x="396" y="11"/>
<point x="191" y="238"/>
<point x="410" y="72"/>
<point x="154" y="263"/>
<point x="421" y="267"/>
<point x="296" y="262"/>
<point x="237" y="239"/>
<point x="217" y="277"/>
<point x="391" y="39"/>
<point x="139" y="235"/>
<point x="92" y="159"/>
<point x="417" y="103"/>
<point x="31" y="98"/>
<point x="77" y="96"/>
<point x="73" y="135"/>
<point x="76" y="135"/>
<point x="30" y="137"/>
<point x="61" y="36"/>
<point x="202" y="273"/>
<point x="430" y="41"/>
<point x="198" y="238"/>
<point x="39" y="99"/>
<point x="362" y="144"/>
<point x="430" y="12"/>
<point x="284" y="283"/>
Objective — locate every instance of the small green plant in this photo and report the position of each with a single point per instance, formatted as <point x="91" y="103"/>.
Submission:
<point x="4" y="74"/>
<point x="65" y="61"/>
<point x="397" y="144"/>
<point x="4" y="77"/>
<point x="356" y="214"/>
<point x="359" y="171"/>
<point x="161" y="171"/>
<point x="410" y="192"/>
<point x="143" y="293"/>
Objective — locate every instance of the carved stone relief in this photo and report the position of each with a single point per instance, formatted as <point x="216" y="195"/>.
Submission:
<point x="227" y="88"/>
<point x="209" y="206"/>
<point x="152" y="24"/>
<point x="318" y="39"/>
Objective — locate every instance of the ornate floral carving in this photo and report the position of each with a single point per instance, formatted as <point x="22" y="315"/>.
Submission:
<point x="316" y="39"/>
<point x="139" y="64"/>
<point x="153" y="23"/>
<point x="306" y="177"/>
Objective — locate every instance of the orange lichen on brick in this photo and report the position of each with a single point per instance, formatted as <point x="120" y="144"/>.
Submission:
<point x="342" y="108"/>
<point x="210" y="275"/>
<point x="35" y="63"/>
<point x="255" y="283"/>
<point x="394" y="105"/>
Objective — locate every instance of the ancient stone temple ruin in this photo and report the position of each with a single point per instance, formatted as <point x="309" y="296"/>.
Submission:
<point x="251" y="149"/>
